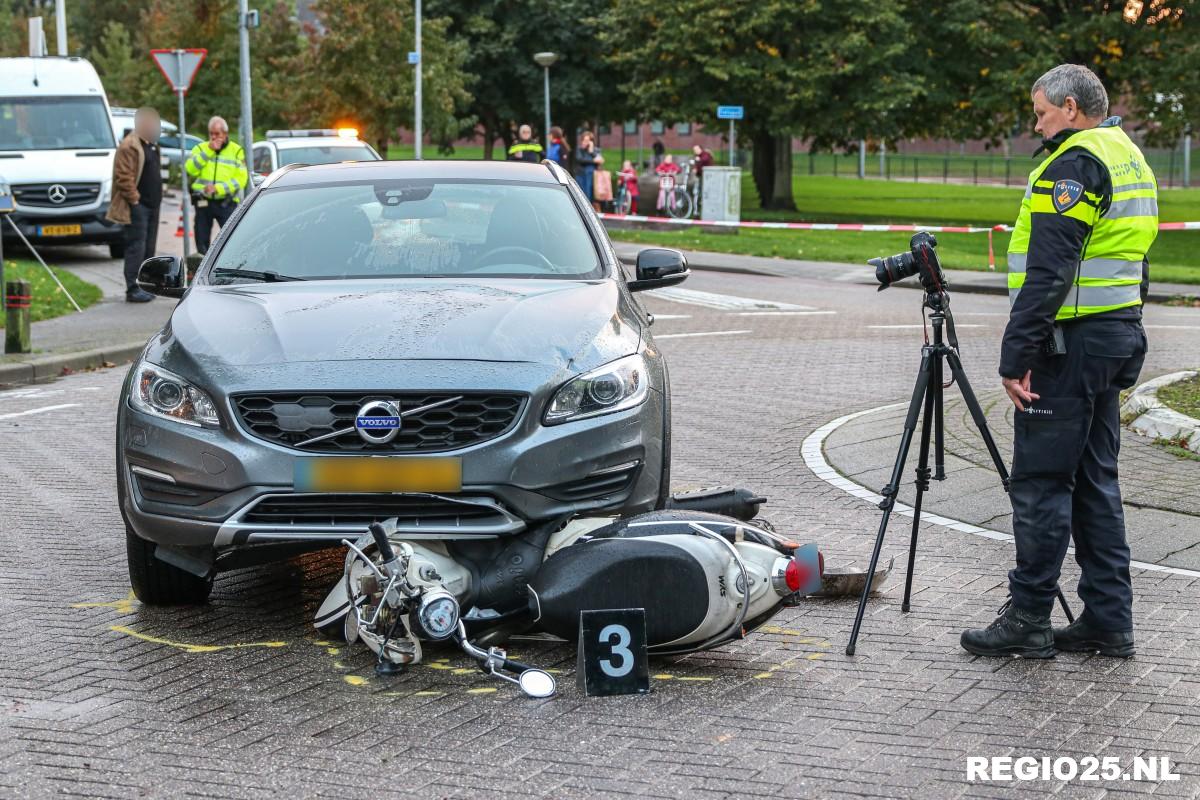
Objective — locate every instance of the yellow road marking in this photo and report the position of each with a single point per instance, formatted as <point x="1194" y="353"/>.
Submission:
<point x="192" y="648"/>
<point x="482" y="690"/>
<point x="120" y="606"/>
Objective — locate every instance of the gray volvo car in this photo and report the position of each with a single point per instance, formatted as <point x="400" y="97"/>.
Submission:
<point x="450" y="343"/>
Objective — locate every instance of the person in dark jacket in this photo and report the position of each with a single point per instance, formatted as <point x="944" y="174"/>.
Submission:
<point x="525" y="148"/>
<point x="587" y="158"/>
<point x="137" y="194"/>
<point x="701" y="158"/>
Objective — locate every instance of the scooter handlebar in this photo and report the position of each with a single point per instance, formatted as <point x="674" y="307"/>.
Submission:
<point x="381" y="542"/>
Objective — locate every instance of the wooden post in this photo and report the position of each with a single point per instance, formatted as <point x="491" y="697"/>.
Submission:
<point x="16" y="331"/>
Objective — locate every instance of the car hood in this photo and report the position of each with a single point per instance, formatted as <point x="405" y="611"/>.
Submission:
<point x="58" y="166"/>
<point x="561" y="326"/>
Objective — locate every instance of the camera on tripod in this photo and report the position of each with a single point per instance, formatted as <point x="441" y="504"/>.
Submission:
<point x="921" y="259"/>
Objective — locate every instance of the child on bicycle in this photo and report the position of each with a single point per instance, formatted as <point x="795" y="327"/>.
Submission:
<point x="629" y="187"/>
<point x="666" y="172"/>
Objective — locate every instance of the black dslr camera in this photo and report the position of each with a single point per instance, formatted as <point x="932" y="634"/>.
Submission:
<point x="920" y="260"/>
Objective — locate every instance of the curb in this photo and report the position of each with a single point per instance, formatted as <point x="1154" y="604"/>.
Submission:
<point x="44" y="368"/>
<point x="1144" y="413"/>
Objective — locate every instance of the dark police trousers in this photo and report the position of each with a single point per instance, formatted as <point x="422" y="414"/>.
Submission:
<point x="206" y="215"/>
<point x="1064" y="477"/>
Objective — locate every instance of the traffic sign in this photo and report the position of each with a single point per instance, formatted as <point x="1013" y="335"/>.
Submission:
<point x="731" y="112"/>
<point x="414" y="57"/>
<point x="179" y="67"/>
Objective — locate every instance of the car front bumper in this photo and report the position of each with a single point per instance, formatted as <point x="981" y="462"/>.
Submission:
<point x="190" y="487"/>
<point x="93" y="227"/>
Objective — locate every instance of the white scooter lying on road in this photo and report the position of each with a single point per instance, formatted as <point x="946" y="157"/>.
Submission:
<point x="703" y="579"/>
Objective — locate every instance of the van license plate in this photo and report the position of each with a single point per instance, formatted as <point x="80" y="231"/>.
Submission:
<point x="60" y="230"/>
<point x="357" y="474"/>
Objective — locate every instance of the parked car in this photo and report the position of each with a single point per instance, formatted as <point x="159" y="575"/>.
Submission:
<point x="451" y="343"/>
<point x="56" y="151"/>
<point x="322" y="146"/>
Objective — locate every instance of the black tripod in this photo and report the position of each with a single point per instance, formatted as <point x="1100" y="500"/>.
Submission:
<point x="929" y="391"/>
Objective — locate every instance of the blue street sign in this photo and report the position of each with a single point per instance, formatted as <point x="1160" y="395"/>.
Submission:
<point x="414" y="58"/>
<point x="731" y="112"/>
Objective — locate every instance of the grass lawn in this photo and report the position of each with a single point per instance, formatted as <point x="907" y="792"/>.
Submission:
<point x="1175" y="257"/>
<point x="48" y="300"/>
<point x="1183" y="396"/>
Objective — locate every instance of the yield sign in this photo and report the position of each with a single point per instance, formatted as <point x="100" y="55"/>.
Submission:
<point x="179" y="67"/>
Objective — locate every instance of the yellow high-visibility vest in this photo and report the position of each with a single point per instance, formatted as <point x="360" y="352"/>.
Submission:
<point x="1109" y="273"/>
<point x="225" y="171"/>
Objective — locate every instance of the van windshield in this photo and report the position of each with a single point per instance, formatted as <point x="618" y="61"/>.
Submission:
<point x="54" y="123"/>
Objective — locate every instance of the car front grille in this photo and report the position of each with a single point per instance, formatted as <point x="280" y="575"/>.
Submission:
<point x="411" y="510"/>
<point x="290" y="419"/>
<point x="37" y="195"/>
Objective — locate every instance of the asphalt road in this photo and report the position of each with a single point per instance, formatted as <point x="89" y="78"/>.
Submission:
<point x="100" y="697"/>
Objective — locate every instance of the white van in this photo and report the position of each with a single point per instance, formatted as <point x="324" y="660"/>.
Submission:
<point x="56" y="151"/>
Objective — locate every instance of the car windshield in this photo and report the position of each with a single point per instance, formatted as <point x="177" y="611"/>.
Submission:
<point x="54" y="123"/>
<point x="322" y="154"/>
<point x="408" y="229"/>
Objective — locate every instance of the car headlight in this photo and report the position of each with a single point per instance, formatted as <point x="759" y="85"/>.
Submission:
<point x="614" y="387"/>
<point x="164" y="394"/>
<point x="105" y="191"/>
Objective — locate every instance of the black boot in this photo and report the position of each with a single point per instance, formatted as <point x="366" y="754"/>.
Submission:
<point x="1014" y="633"/>
<point x="1081" y="637"/>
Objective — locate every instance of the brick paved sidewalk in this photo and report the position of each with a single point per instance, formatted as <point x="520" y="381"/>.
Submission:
<point x="1159" y="489"/>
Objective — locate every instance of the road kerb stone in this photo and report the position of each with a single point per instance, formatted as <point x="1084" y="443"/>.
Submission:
<point x="1144" y="413"/>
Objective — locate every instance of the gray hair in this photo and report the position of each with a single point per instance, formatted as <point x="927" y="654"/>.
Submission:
<point x="1074" y="80"/>
<point x="218" y="121"/>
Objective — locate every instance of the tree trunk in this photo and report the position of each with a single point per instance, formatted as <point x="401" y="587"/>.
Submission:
<point x="781" y="196"/>
<point x="762" y="167"/>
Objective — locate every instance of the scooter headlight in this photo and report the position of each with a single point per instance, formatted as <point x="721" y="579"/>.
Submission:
<point x="436" y="616"/>
<point x="616" y="386"/>
<point x="157" y="391"/>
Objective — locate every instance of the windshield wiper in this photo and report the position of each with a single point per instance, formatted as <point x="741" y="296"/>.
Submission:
<point x="268" y="277"/>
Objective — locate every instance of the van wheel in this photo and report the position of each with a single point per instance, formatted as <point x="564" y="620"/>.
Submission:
<point x="116" y="249"/>
<point x="157" y="583"/>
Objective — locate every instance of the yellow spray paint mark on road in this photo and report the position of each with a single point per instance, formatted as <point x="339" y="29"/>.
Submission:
<point x="482" y="690"/>
<point x="333" y="651"/>
<point x="814" y="656"/>
<point x="355" y="680"/>
<point x="189" y="647"/>
<point x="120" y="606"/>
<point x="666" y="676"/>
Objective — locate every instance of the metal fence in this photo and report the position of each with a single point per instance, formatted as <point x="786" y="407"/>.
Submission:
<point x="1168" y="166"/>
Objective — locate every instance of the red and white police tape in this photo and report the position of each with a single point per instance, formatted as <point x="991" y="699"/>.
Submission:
<point x="847" y="226"/>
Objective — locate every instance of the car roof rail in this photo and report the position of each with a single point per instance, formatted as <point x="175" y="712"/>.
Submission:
<point x="277" y="174"/>
<point x="560" y="174"/>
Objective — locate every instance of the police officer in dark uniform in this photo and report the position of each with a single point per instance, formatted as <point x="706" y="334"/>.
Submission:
<point x="1078" y="276"/>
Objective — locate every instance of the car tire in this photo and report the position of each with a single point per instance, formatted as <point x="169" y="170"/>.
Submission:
<point x="664" y="481"/>
<point x="157" y="583"/>
<point x="116" y="249"/>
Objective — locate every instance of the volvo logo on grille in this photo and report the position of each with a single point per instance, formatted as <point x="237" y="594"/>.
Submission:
<point x="378" y="422"/>
<point x="57" y="193"/>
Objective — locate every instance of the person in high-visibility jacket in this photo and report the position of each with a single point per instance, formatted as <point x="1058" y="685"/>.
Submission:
<point x="218" y="173"/>
<point x="525" y="148"/>
<point x="1077" y="275"/>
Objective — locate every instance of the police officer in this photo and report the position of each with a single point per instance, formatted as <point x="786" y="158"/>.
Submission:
<point x="218" y="172"/>
<point x="524" y="148"/>
<point x="1077" y="279"/>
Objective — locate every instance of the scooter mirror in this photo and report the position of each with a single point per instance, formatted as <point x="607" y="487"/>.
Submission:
<point x="536" y="683"/>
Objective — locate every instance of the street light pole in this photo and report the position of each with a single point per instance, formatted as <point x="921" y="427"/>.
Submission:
<point x="546" y="60"/>
<point x="60" y="23"/>
<point x="246" y="126"/>
<point x="418" y="135"/>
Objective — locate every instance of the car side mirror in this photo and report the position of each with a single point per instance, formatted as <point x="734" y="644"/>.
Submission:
<point x="658" y="267"/>
<point x="162" y="275"/>
<point x="256" y="178"/>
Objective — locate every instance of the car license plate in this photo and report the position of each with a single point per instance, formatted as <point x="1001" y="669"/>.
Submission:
<point x="60" y="230"/>
<point x="358" y="474"/>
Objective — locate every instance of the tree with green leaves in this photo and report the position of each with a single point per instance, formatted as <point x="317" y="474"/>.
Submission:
<point x="356" y="69"/>
<point x="120" y="71"/>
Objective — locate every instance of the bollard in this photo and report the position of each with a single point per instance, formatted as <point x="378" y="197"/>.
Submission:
<point x="16" y="331"/>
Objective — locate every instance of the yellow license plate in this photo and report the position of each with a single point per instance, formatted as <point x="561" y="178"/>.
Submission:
<point x="354" y="474"/>
<point x="60" y="230"/>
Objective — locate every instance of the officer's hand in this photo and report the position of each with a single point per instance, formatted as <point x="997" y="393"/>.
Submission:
<point x="1018" y="391"/>
<point x="208" y="189"/>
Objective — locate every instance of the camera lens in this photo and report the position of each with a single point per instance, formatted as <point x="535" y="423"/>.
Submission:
<point x="894" y="268"/>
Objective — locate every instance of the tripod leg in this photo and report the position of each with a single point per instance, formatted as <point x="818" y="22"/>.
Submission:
<point x="939" y="453"/>
<point x="889" y="491"/>
<point x="932" y="411"/>
<point x="977" y="415"/>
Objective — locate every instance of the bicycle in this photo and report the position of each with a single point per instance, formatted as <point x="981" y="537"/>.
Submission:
<point x="624" y="203"/>
<point x="683" y="197"/>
